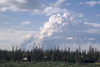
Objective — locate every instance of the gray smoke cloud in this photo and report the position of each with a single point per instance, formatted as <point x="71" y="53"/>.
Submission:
<point x="64" y="29"/>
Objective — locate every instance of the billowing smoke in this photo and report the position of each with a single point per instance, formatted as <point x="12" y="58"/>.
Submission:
<point x="64" y="29"/>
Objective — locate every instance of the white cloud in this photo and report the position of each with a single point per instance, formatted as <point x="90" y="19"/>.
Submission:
<point x="25" y="23"/>
<point x="81" y="3"/>
<point x="21" y="0"/>
<point x="98" y="15"/>
<point x="27" y="36"/>
<point x="8" y="37"/>
<point x="54" y="9"/>
<point x="57" y="4"/>
<point x="67" y="3"/>
<point x="6" y="23"/>
<point x="70" y="38"/>
<point x="91" y="38"/>
<point x="80" y="15"/>
<point x="91" y="3"/>
<point x="48" y="11"/>
<point x="92" y="31"/>
<point x="85" y="19"/>
<point x="20" y="5"/>
<point x="93" y="24"/>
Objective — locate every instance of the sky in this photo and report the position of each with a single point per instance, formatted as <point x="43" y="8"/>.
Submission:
<point x="49" y="23"/>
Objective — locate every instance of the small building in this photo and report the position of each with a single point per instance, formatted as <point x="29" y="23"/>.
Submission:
<point x="25" y="59"/>
<point x="45" y="58"/>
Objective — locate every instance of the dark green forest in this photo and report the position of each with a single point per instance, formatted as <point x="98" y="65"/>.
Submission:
<point x="91" y="55"/>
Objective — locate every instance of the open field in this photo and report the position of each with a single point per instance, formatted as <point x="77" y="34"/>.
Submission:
<point x="45" y="64"/>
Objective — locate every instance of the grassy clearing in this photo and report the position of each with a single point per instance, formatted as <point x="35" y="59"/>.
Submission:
<point x="46" y="64"/>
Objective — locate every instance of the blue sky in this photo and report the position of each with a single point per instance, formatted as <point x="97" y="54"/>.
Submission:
<point x="30" y="23"/>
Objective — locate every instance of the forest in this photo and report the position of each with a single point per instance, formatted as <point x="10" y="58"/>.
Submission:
<point x="92" y="55"/>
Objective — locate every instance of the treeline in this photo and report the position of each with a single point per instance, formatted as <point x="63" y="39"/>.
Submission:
<point x="81" y="56"/>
